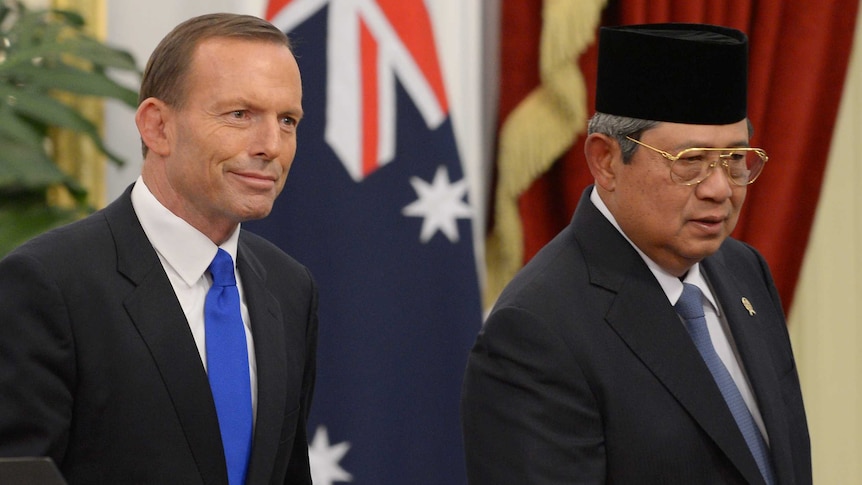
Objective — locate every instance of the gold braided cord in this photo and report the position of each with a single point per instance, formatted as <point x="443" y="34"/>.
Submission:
<point x="74" y="153"/>
<point x="540" y="129"/>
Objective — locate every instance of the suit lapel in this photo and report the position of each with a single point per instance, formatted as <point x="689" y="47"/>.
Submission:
<point x="644" y="319"/>
<point x="155" y="311"/>
<point x="749" y="335"/>
<point x="271" y="357"/>
<point x="655" y="334"/>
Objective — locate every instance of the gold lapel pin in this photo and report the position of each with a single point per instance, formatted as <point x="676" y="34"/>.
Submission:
<point x="748" y="306"/>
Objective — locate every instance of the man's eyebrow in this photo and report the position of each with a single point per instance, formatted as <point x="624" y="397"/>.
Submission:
<point x="293" y="113"/>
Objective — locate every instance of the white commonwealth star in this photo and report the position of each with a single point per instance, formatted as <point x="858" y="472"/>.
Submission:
<point x="324" y="459"/>
<point x="440" y="203"/>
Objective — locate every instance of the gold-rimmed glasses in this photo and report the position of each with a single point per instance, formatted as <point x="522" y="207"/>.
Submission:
<point x="693" y="165"/>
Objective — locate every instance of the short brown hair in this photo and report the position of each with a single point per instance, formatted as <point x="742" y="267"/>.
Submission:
<point x="165" y="75"/>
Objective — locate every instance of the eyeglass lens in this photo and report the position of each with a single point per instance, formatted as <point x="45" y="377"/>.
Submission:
<point x="693" y="166"/>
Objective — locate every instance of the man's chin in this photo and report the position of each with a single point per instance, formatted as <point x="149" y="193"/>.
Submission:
<point x="704" y="251"/>
<point x="255" y="212"/>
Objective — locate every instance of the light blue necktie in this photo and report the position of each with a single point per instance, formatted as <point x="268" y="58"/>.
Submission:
<point x="690" y="308"/>
<point x="227" y="366"/>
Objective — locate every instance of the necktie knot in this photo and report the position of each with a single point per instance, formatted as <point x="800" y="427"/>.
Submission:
<point x="221" y="269"/>
<point x="690" y="304"/>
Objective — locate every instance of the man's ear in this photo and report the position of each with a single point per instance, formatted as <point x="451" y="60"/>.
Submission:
<point x="152" y="118"/>
<point x="603" y="157"/>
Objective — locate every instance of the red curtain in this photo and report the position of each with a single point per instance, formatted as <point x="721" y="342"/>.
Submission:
<point x="798" y="58"/>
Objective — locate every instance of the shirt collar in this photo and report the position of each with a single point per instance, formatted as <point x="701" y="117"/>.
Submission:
<point x="164" y="228"/>
<point x="670" y="284"/>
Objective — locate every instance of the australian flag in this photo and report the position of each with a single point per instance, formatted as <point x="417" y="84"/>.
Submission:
<point x="376" y="205"/>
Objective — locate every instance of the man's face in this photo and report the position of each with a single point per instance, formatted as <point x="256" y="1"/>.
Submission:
<point x="677" y="225"/>
<point x="233" y="140"/>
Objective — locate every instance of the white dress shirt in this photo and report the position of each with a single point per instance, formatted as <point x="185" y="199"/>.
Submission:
<point x="716" y="322"/>
<point x="185" y="254"/>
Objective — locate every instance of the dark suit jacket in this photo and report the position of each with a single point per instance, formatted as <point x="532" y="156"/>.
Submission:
<point x="99" y="370"/>
<point x="583" y="373"/>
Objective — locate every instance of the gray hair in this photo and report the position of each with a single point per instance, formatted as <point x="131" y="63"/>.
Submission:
<point x="618" y="128"/>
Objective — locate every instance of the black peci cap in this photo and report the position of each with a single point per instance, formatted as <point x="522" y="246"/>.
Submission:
<point x="682" y="73"/>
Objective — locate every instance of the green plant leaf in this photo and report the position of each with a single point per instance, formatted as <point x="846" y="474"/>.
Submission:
<point x="44" y="52"/>
<point x="21" y="223"/>
<point x="54" y="34"/>
<point x="67" y="17"/>
<point x="79" y="48"/>
<point x="42" y="108"/>
<point x="19" y="130"/>
<point x="21" y="167"/>
<point x="100" y="54"/>
<point x="72" y="80"/>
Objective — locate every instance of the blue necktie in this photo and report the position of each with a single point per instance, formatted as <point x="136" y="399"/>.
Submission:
<point x="690" y="308"/>
<point x="227" y="366"/>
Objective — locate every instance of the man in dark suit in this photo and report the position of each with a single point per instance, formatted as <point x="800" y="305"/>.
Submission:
<point x="105" y="343"/>
<point x="594" y="365"/>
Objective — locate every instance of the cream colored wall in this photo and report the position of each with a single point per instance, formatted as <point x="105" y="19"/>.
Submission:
<point x="826" y="316"/>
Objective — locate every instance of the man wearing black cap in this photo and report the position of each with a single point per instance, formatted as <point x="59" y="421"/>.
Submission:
<point x="643" y="345"/>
